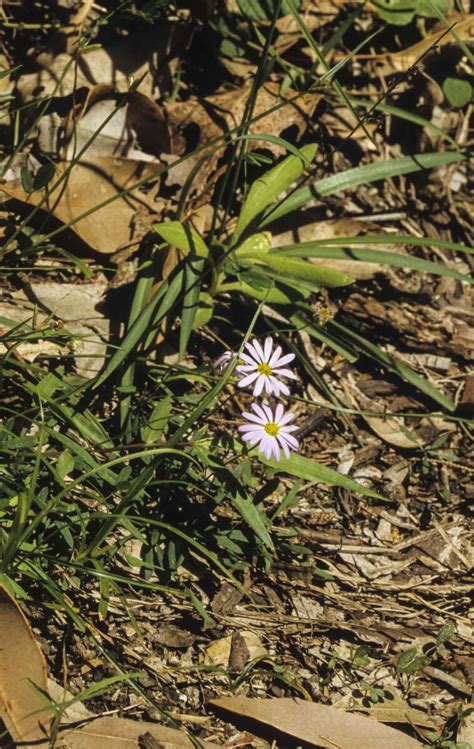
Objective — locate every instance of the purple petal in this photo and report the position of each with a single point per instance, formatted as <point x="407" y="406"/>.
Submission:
<point x="279" y="387"/>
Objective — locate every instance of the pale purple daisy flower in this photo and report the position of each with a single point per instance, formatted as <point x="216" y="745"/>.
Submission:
<point x="221" y="364"/>
<point x="263" y="366"/>
<point x="270" y="431"/>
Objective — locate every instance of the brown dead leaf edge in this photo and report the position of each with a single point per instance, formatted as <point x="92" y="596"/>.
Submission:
<point x="27" y="717"/>
<point x="25" y="714"/>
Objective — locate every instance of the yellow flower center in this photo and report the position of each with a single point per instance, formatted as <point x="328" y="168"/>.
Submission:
<point x="272" y="429"/>
<point x="264" y="369"/>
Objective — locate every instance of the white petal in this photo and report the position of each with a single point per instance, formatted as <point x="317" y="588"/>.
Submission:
<point x="248" y="380"/>
<point x="248" y="359"/>
<point x="275" y="356"/>
<point x="288" y="429"/>
<point x="266" y="446"/>
<point x="279" y="411"/>
<point x="269" y="387"/>
<point x="284" y="360"/>
<point x="254" y="438"/>
<point x="260" y="412"/>
<point x="253" y="352"/>
<point x="279" y="387"/>
<point x="276" y="449"/>
<point x="268" y="413"/>
<point x="290" y="440"/>
<point x="268" y="348"/>
<point x="258" y="349"/>
<point x="257" y="428"/>
<point x="286" y="418"/>
<point x="259" y="385"/>
<point x="284" y="446"/>
<point x="246" y="368"/>
<point x="285" y="373"/>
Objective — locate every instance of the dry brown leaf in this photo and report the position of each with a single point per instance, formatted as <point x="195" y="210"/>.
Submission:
<point x="60" y="74"/>
<point x="120" y="733"/>
<point x="221" y="112"/>
<point x="89" y="183"/>
<point x="314" y="724"/>
<point x="24" y="714"/>
<point x="22" y="667"/>
<point x="140" y="122"/>
<point x="219" y="652"/>
<point x="313" y="15"/>
<point x="401" y="61"/>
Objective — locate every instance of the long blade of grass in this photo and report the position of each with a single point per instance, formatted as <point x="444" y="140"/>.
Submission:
<point x="307" y="249"/>
<point x="362" y="175"/>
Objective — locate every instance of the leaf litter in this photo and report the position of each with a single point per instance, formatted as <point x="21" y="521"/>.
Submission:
<point x="383" y="579"/>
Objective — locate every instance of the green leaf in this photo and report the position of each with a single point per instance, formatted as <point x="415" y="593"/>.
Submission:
<point x="277" y="294"/>
<point x="457" y="92"/>
<point x="192" y="288"/>
<point x="43" y="176"/>
<point x="433" y="8"/>
<point x="310" y="249"/>
<point x="185" y="238"/>
<point x="305" y="468"/>
<point x="362" y="175"/>
<point x="163" y="300"/>
<point x="205" y="310"/>
<point x="253" y="517"/>
<point x="26" y="179"/>
<point x="396" y="12"/>
<point x="157" y="421"/>
<point x="307" y="272"/>
<point x="65" y="464"/>
<point x="267" y="188"/>
<point x="257" y="244"/>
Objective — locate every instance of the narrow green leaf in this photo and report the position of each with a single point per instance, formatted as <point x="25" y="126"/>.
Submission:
<point x="140" y="327"/>
<point x="184" y="237"/>
<point x="267" y="188"/>
<point x="310" y="470"/>
<point x="308" y="249"/>
<point x="397" y="239"/>
<point x="246" y="508"/>
<point x="307" y="272"/>
<point x="362" y="175"/>
<point x="192" y="289"/>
